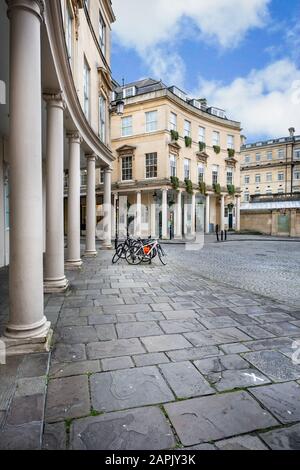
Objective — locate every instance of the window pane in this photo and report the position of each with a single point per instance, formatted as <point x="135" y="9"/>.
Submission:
<point x="187" y="128"/>
<point x="151" y="165"/>
<point x="101" y="33"/>
<point x="200" y="173"/>
<point x="151" y="121"/>
<point x="102" y="118"/>
<point x="216" y="138"/>
<point x="201" y="134"/>
<point x="230" y="141"/>
<point x="186" y="169"/>
<point x="127" y="126"/>
<point x="173" y="122"/>
<point x="127" y="168"/>
<point x="172" y="165"/>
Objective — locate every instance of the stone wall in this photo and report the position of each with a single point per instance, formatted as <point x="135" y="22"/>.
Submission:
<point x="272" y="222"/>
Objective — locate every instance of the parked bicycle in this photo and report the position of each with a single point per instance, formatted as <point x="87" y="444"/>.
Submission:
<point x="122" y="249"/>
<point x="144" y="251"/>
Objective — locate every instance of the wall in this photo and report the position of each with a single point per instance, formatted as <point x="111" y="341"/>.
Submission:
<point x="268" y="222"/>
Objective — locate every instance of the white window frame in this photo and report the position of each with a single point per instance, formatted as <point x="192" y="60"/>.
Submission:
<point x="257" y="178"/>
<point x="296" y="175"/>
<point x="247" y="159"/>
<point x="269" y="177"/>
<point x="269" y="154"/>
<point x="129" y="92"/>
<point x="201" y="173"/>
<point x="173" y="121"/>
<point x="297" y="154"/>
<point x="216" y="138"/>
<point x="86" y="89"/>
<point x="229" y="176"/>
<point x="69" y="31"/>
<point x="129" y="167"/>
<point x="102" y="118"/>
<point x="187" y="128"/>
<point x="280" y="176"/>
<point x="172" y="165"/>
<point x="102" y="33"/>
<point x="280" y="154"/>
<point x="126" y="129"/>
<point x="215" y="174"/>
<point x="151" y="121"/>
<point x="151" y="167"/>
<point x="246" y="179"/>
<point x="201" y="134"/>
<point x="230" y="141"/>
<point x="246" y="196"/>
<point x="257" y="157"/>
<point x="187" y="168"/>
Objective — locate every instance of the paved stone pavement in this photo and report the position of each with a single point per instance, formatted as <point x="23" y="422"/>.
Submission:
<point x="156" y="357"/>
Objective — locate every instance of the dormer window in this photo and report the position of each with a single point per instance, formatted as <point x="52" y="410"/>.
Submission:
<point x="128" y="92"/>
<point x="178" y="93"/>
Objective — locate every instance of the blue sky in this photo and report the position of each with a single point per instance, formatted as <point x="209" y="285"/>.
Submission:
<point x="242" y="55"/>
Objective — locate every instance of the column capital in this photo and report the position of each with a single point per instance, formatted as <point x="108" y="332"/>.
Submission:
<point x="91" y="157"/>
<point x="54" y="99"/>
<point x="74" y="137"/>
<point x="107" y="169"/>
<point x="37" y="7"/>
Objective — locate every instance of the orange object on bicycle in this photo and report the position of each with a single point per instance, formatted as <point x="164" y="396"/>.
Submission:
<point x="147" y="249"/>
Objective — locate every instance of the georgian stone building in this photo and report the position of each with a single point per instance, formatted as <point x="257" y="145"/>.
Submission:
<point x="55" y="86"/>
<point x="270" y="181"/>
<point x="163" y="136"/>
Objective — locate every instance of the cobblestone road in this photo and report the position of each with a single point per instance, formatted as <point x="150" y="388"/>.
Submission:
<point x="154" y="357"/>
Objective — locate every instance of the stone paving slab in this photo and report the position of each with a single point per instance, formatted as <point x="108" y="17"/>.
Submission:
<point x="185" y="380"/>
<point x="216" y="417"/>
<point x="246" y="442"/>
<point x="128" y="388"/>
<point x="67" y="398"/>
<point x="180" y="326"/>
<point x="138" y="329"/>
<point x="283" y="439"/>
<point x="282" y="400"/>
<point x="114" y="348"/>
<point x="150" y="359"/>
<point x="274" y="365"/>
<point x="55" y="436"/>
<point x="191" y="354"/>
<point x="67" y="369"/>
<point x="115" y="363"/>
<point x="219" y="336"/>
<point x="137" y="429"/>
<point x="165" y="343"/>
<point x="23" y="437"/>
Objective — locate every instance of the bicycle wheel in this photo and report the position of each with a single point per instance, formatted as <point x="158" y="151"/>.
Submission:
<point x="134" y="255"/>
<point x="161" y="255"/>
<point x="118" y="254"/>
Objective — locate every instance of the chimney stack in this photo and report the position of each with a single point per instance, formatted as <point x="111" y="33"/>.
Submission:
<point x="203" y="102"/>
<point x="243" y="139"/>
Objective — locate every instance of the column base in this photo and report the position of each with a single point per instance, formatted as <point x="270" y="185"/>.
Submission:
<point x="107" y="247"/>
<point x="73" y="264"/>
<point x="56" y="285"/>
<point x="90" y="254"/>
<point x="178" y="237"/>
<point x="25" y="342"/>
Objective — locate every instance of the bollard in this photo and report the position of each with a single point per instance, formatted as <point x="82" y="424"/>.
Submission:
<point x="225" y="235"/>
<point x="217" y="232"/>
<point x="222" y="235"/>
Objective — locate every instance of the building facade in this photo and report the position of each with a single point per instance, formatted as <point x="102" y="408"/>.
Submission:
<point x="270" y="181"/>
<point x="177" y="163"/>
<point x="55" y="86"/>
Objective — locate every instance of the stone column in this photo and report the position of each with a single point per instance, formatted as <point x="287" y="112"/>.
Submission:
<point x="73" y="258"/>
<point x="207" y="209"/>
<point x="293" y="224"/>
<point x="193" y="215"/>
<point x="107" y="209"/>
<point x="238" y="214"/>
<point x="90" y="247"/>
<point x="113" y="215"/>
<point x="178" y="231"/>
<point x="54" y="276"/>
<point x="164" y="211"/>
<point x="222" y="209"/>
<point x="26" y="307"/>
<point x="138" y="218"/>
<point x="153" y="220"/>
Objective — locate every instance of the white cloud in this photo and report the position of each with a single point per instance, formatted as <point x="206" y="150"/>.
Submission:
<point x="266" y="101"/>
<point x="142" y="24"/>
<point x="146" y="26"/>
